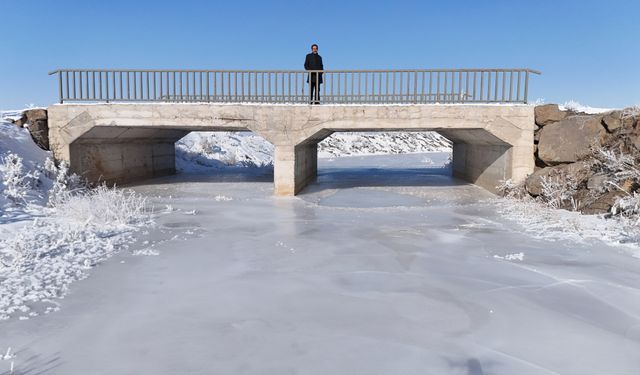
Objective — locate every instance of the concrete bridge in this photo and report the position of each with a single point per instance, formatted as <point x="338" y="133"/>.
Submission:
<point x="128" y="129"/>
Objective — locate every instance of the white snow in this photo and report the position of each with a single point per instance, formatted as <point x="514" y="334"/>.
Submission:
<point x="50" y="235"/>
<point x="199" y="151"/>
<point x="577" y="107"/>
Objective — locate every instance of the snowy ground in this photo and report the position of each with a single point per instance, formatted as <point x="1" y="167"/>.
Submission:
<point x="386" y="265"/>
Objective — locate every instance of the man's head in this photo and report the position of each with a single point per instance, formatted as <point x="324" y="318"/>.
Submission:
<point x="314" y="48"/>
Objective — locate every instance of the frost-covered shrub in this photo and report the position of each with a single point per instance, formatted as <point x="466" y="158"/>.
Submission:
<point x="510" y="189"/>
<point x="16" y="181"/>
<point x="618" y="166"/>
<point x="559" y="191"/>
<point x="64" y="185"/>
<point x="108" y="208"/>
<point x="628" y="206"/>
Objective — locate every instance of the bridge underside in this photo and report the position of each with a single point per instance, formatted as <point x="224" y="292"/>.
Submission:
<point x="129" y="142"/>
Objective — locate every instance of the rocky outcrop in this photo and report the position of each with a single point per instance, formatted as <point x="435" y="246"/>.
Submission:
<point x="585" y="162"/>
<point x="36" y="121"/>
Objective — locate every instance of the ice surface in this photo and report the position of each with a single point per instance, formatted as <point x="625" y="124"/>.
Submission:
<point x="424" y="275"/>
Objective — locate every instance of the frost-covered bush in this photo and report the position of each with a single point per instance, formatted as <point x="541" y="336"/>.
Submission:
<point x="510" y="189"/>
<point x="17" y="182"/>
<point x="64" y="185"/>
<point x="104" y="207"/>
<point x="559" y="191"/>
<point x="618" y="166"/>
<point x="628" y="206"/>
<point x="78" y="228"/>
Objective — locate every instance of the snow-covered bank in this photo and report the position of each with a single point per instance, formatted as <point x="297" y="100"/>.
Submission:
<point x="52" y="229"/>
<point x="201" y="150"/>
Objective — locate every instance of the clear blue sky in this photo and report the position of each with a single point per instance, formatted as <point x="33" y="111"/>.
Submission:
<point x="588" y="51"/>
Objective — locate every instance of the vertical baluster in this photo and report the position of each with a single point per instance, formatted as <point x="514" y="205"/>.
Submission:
<point x="475" y="80"/>
<point x="187" y="88"/>
<point x="466" y="87"/>
<point x="60" y="94"/>
<point x="489" y="87"/>
<point x="235" y="87"/>
<point x="106" y="85"/>
<point x="459" y="86"/>
<point x="431" y="87"/>
<point x="80" y="84"/>
<point x="453" y="86"/>
<point x="446" y="80"/>
<point x="194" y="87"/>
<point x="282" y="78"/>
<point x="415" y="87"/>
<point x="215" y="86"/>
<point x="100" y="84"/>
<point x="67" y="81"/>
<point x="242" y="86"/>
<point x="518" y="87"/>
<point x="73" y="78"/>
<point x="511" y="86"/>
<point x="365" y="99"/>
<point x="113" y="85"/>
<point x="497" y="78"/>
<point x="481" y="85"/>
<point x="324" y="88"/>
<point x="269" y="86"/>
<point x="276" y="96"/>
<point x="229" y="88"/>
<point x="526" y="86"/>
<point x="393" y="86"/>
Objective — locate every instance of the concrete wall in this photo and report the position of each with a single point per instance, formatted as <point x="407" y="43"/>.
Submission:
<point x="483" y="165"/>
<point x="117" y="162"/>
<point x="492" y="142"/>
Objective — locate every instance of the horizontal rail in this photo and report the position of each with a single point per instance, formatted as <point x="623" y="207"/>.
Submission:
<point x="402" y="86"/>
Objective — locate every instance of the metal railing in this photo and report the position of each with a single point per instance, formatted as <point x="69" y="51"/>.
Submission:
<point x="292" y="86"/>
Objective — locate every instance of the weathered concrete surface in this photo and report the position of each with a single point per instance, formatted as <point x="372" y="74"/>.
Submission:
<point x="113" y="141"/>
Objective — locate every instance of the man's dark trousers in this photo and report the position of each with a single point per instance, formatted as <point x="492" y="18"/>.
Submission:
<point x="314" y="97"/>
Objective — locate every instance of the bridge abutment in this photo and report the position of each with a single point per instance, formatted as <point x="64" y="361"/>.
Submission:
<point x="119" y="162"/>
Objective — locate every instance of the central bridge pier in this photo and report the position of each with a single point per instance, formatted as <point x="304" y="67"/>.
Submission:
<point x="124" y="142"/>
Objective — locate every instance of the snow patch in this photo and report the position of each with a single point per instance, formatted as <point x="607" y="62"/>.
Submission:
<point x="572" y="105"/>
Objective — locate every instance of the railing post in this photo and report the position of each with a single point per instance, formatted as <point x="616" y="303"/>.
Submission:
<point x="526" y="86"/>
<point x="60" y="87"/>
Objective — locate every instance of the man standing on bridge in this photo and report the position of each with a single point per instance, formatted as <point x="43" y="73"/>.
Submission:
<point x="314" y="62"/>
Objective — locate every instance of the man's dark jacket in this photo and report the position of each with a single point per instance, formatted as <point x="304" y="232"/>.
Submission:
<point x="313" y="61"/>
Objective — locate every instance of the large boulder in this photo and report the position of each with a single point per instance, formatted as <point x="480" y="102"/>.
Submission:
<point x="33" y="115"/>
<point x="603" y="203"/>
<point x="39" y="130"/>
<point x="579" y="172"/>
<point x="37" y="122"/>
<point x="549" y="113"/>
<point x="617" y="119"/>
<point x="569" y="140"/>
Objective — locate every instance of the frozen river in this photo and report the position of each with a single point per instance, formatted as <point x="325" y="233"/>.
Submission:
<point x="373" y="269"/>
